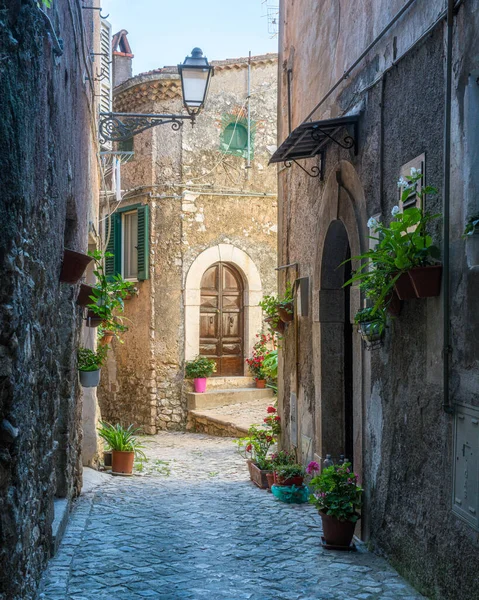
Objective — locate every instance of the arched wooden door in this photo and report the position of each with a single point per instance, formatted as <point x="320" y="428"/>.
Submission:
<point x="221" y="319"/>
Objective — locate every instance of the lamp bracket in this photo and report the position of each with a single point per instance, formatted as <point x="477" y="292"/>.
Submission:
<point x="119" y="127"/>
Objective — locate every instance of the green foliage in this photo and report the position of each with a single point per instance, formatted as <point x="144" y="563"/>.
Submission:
<point x="403" y="245"/>
<point x="270" y="303"/>
<point x="290" y="470"/>
<point x="472" y="226"/>
<point x="282" y="458"/>
<point x="286" y="301"/>
<point x="47" y="3"/>
<point x="336" y="493"/>
<point x="107" y="299"/>
<point x="257" y="443"/>
<point x="260" y="351"/>
<point x="200" y="367"/>
<point x="89" y="360"/>
<point x="120" y="439"/>
<point x="270" y="364"/>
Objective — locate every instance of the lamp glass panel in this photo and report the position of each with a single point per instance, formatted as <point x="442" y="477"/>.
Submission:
<point x="194" y="85"/>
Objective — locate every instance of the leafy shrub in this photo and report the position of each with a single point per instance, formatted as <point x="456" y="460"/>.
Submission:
<point x="336" y="493"/>
<point x="89" y="360"/>
<point x="200" y="367"/>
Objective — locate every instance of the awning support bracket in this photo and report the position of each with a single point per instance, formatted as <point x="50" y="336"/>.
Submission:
<point x="315" y="170"/>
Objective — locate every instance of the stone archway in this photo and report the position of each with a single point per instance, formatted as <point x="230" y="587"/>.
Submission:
<point x="338" y="353"/>
<point x="253" y="293"/>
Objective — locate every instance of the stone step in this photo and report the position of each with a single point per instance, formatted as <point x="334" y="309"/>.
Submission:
<point x="216" y="398"/>
<point x="228" y="421"/>
<point x="225" y="383"/>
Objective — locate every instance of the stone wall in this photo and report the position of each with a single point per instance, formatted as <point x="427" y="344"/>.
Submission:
<point x="403" y="439"/>
<point x="46" y="176"/>
<point x="198" y="198"/>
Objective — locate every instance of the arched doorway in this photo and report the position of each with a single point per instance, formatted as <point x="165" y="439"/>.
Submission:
<point x="222" y="319"/>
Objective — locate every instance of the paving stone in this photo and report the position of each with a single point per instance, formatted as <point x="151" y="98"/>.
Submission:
<point x="198" y="528"/>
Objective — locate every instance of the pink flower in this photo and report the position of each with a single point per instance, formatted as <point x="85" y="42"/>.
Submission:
<point x="313" y="467"/>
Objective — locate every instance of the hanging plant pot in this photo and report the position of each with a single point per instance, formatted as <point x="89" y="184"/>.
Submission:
<point x="122" y="462"/>
<point x="261" y="383"/>
<point x="404" y="288"/>
<point x="200" y="385"/>
<point x="73" y="266"/>
<point x="286" y="313"/>
<point x="372" y="333"/>
<point x="90" y="379"/>
<point x="426" y="281"/>
<point x="394" y="304"/>
<point x="278" y="327"/>
<point x="337" y="534"/>
<point x="84" y="295"/>
<point x="107" y="338"/>
<point x="93" y="320"/>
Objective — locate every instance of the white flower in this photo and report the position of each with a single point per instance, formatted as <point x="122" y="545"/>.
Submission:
<point x="372" y="223"/>
<point x="415" y="171"/>
<point x="402" y="183"/>
<point x="395" y="211"/>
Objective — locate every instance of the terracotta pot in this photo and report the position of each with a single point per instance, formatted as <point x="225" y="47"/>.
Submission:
<point x="84" y="295"/>
<point x="394" y="304"/>
<point x="92" y="320"/>
<point x="73" y="266"/>
<point x="122" y="462"/>
<point x="90" y="379"/>
<point x="285" y="315"/>
<point x="107" y="458"/>
<point x="107" y="338"/>
<point x="426" y="280"/>
<point x="404" y="288"/>
<point x="297" y="480"/>
<point x="261" y="383"/>
<point x="279" y="327"/>
<point x="200" y="385"/>
<point x="257" y="476"/>
<point x="270" y="479"/>
<point x="337" y="533"/>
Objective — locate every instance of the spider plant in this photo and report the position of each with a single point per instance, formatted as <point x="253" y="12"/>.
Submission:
<point x="120" y="439"/>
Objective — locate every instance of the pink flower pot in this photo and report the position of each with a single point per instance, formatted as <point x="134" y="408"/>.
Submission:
<point x="200" y="385"/>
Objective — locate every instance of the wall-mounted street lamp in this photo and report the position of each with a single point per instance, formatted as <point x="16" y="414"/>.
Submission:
<point x="195" y="74"/>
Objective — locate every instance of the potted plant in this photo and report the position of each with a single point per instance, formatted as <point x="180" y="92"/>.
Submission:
<point x="270" y="369"/>
<point x="199" y="369"/>
<point x="472" y="226"/>
<point x="285" y="304"/>
<point x="256" y="445"/>
<point x="338" y="498"/>
<point x="89" y="365"/>
<point x="124" y="445"/>
<point x="255" y="363"/>
<point x="269" y="304"/>
<point x="371" y="324"/>
<point x="73" y="266"/>
<point x="289" y="474"/>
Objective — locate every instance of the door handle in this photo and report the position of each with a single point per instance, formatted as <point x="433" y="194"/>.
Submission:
<point x="211" y="320"/>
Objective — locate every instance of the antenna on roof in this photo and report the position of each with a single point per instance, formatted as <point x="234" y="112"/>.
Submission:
<point x="271" y="9"/>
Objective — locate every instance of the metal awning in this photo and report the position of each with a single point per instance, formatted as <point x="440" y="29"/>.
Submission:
<point x="310" y="139"/>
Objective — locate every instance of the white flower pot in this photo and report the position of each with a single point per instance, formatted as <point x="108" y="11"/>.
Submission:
<point x="89" y="378"/>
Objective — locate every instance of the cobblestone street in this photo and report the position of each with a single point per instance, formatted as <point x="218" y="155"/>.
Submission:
<point x="191" y="525"/>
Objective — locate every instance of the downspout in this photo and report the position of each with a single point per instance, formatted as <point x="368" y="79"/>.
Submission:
<point x="446" y="353"/>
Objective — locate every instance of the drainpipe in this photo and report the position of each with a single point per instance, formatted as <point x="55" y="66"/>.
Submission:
<point x="447" y="406"/>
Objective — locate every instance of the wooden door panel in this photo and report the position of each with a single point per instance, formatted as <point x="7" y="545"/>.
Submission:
<point x="221" y="319"/>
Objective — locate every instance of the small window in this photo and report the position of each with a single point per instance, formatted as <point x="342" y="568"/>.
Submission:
<point x="236" y="136"/>
<point x="130" y="245"/>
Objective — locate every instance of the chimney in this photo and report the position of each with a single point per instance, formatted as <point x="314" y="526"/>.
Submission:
<point x="122" y="58"/>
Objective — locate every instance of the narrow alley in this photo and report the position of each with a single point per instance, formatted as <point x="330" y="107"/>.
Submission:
<point x="193" y="526"/>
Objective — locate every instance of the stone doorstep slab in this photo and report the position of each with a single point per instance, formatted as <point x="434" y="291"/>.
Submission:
<point x="225" y="383"/>
<point x="61" y="511"/>
<point x="214" y="425"/>
<point x="217" y="398"/>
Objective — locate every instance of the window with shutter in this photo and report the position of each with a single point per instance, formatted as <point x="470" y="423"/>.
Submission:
<point x="143" y="246"/>
<point x="113" y="245"/>
<point x="105" y="70"/>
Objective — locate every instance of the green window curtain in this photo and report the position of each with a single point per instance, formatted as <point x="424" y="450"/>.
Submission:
<point x="113" y="263"/>
<point x="143" y="243"/>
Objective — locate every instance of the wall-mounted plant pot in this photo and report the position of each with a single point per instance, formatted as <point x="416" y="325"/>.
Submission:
<point x="426" y="280"/>
<point x="107" y="338"/>
<point x="371" y="331"/>
<point x="122" y="462"/>
<point x="73" y="266"/>
<point x="404" y="288"/>
<point x="278" y="328"/>
<point x="90" y="379"/>
<point x="84" y="295"/>
<point x="257" y="476"/>
<point x="261" y="383"/>
<point x="286" y="314"/>
<point x="200" y="385"/>
<point x="93" y="320"/>
<point x="394" y="304"/>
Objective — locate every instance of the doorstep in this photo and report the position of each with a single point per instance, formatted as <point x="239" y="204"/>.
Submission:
<point x="61" y="511"/>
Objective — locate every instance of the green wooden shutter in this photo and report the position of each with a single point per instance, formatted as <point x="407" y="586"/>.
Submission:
<point x="113" y="263"/>
<point x="143" y="243"/>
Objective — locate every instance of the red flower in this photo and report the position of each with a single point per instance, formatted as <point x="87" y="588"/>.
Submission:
<point x="249" y="447"/>
<point x="269" y="438"/>
<point x="277" y="418"/>
<point x="271" y="409"/>
<point x="266" y="420"/>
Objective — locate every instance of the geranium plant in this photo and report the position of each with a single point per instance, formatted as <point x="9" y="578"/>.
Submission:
<point x="200" y="367"/>
<point x="260" y="438"/>
<point x="335" y="492"/>
<point x="260" y="350"/>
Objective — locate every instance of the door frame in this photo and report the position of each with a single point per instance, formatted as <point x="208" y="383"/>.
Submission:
<point x="253" y="294"/>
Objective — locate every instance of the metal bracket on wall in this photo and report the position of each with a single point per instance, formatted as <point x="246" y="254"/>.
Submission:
<point x="119" y="127"/>
<point x="96" y="8"/>
<point x="349" y="141"/>
<point x="315" y="170"/>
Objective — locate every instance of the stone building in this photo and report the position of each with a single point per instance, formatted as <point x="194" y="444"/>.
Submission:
<point x="49" y="201"/>
<point x="362" y="99"/>
<point x="195" y="227"/>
